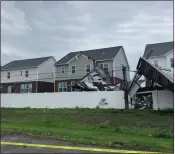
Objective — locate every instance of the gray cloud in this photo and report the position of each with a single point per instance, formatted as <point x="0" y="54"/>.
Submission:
<point x="34" y="29"/>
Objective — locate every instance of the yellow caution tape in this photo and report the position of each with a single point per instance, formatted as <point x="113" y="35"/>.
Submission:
<point x="74" y="148"/>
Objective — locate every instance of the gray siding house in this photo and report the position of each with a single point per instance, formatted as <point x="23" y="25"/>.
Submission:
<point x="28" y="75"/>
<point x="76" y="65"/>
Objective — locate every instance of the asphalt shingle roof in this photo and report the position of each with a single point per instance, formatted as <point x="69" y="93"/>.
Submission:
<point x="160" y="49"/>
<point x="96" y="54"/>
<point x="26" y="63"/>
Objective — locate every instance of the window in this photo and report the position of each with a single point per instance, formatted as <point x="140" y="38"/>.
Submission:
<point x="10" y="89"/>
<point x="8" y="75"/>
<point x="21" y="72"/>
<point x="105" y="66"/>
<point x="62" y="70"/>
<point x="156" y="63"/>
<point x="88" y="68"/>
<point x="101" y="65"/>
<point x="26" y="73"/>
<point x="73" y="69"/>
<point x="62" y="86"/>
<point x="172" y="62"/>
<point x="26" y="88"/>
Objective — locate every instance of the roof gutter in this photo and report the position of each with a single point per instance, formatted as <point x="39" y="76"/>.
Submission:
<point x="104" y="60"/>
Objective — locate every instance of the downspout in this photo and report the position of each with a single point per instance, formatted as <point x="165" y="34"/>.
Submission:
<point x="37" y="81"/>
<point x="54" y="75"/>
<point x="94" y="64"/>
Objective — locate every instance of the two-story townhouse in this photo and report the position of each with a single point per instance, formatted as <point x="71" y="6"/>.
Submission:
<point x="161" y="55"/>
<point x="28" y="75"/>
<point x="76" y="65"/>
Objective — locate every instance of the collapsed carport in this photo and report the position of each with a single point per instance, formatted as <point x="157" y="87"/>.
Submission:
<point x="162" y="87"/>
<point x="154" y="74"/>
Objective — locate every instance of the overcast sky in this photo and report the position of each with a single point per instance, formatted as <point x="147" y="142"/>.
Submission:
<point x="34" y="29"/>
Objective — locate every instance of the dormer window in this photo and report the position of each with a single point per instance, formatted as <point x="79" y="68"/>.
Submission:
<point x="8" y="75"/>
<point x="26" y="73"/>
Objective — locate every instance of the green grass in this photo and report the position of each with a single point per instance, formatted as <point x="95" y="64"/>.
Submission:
<point x="125" y="129"/>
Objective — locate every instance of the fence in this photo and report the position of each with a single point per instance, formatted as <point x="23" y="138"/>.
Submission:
<point x="114" y="99"/>
<point x="163" y="99"/>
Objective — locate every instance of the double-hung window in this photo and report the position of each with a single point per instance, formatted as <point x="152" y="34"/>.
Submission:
<point x="62" y="86"/>
<point x="62" y="70"/>
<point x="73" y="69"/>
<point x="105" y="66"/>
<point x="26" y="73"/>
<point x="8" y="75"/>
<point x="88" y="68"/>
<point x="26" y="88"/>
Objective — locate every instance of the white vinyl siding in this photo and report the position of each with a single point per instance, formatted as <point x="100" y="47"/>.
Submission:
<point x="155" y="62"/>
<point x="17" y="76"/>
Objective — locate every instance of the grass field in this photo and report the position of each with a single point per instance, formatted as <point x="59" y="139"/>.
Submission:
<point x="136" y="130"/>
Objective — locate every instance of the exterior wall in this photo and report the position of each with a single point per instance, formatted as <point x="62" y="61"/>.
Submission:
<point x="168" y="63"/>
<point x="38" y="86"/>
<point x="45" y="87"/>
<point x="46" y="71"/>
<point x="110" y="65"/>
<point x="80" y="67"/>
<point x="68" y="84"/>
<point x="120" y="60"/>
<point x="163" y="99"/>
<point x="114" y="80"/>
<point x="17" y="86"/>
<point x="161" y="61"/>
<point x="15" y="75"/>
<point x="115" y="99"/>
<point x="59" y="75"/>
<point x="115" y="68"/>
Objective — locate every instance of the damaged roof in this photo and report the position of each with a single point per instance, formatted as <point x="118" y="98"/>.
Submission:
<point x="93" y="81"/>
<point x="160" y="49"/>
<point x="96" y="54"/>
<point x="153" y="73"/>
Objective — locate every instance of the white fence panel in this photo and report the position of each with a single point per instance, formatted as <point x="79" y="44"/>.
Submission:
<point x="163" y="99"/>
<point x="115" y="99"/>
